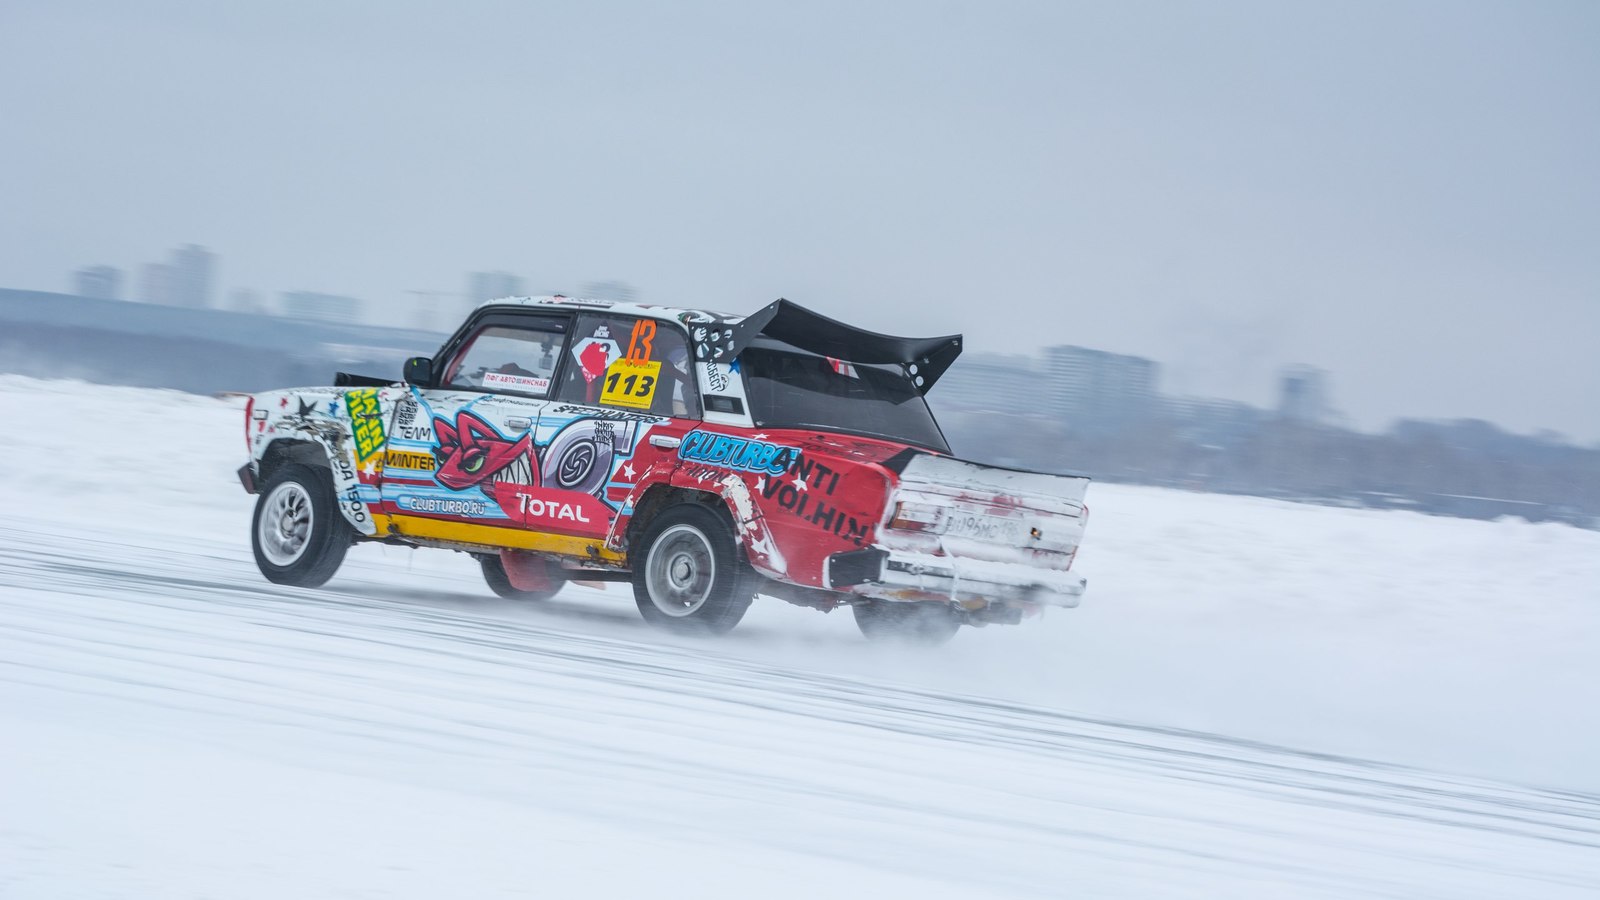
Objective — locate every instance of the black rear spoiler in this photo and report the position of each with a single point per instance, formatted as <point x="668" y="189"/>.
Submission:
<point x="799" y="327"/>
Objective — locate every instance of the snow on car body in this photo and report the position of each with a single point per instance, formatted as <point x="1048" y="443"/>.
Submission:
<point x="702" y="456"/>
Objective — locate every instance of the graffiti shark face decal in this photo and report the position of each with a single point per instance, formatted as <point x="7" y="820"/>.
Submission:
<point x="471" y="453"/>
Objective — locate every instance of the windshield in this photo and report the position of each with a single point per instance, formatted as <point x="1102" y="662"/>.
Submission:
<point x="503" y="358"/>
<point x="791" y="388"/>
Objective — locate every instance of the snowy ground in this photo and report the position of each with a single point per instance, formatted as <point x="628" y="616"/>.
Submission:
<point x="171" y="725"/>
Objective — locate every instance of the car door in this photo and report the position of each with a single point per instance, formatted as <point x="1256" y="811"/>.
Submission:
<point x="462" y="449"/>
<point x="626" y="397"/>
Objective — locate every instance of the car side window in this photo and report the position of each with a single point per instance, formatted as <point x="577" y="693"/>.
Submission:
<point x="511" y="359"/>
<point x="629" y="363"/>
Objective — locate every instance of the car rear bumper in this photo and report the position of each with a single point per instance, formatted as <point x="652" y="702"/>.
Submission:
<point x="897" y="575"/>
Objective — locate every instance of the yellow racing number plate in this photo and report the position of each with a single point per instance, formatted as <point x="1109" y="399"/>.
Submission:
<point x="631" y="383"/>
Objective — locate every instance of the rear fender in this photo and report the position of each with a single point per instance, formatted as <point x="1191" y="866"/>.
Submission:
<point x="750" y="525"/>
<point x="729" y="495"/>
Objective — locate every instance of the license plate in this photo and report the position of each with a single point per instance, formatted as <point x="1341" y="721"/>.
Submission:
<point x="989" y="529"/>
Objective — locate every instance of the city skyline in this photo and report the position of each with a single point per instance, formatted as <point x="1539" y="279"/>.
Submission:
<point x="439" y="310"/>
<point x="1112" y="389"/>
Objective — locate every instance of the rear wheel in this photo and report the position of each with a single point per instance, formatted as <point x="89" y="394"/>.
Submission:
<point x="925" y="624"/>
<point x="297" y="533"/>
<point x="494" y="574"/>
<point x="689" y="577"/>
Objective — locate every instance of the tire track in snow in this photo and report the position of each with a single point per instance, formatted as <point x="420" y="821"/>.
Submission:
<point x="406" y="674"/>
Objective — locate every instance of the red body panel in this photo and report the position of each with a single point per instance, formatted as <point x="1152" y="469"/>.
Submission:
<point x="819" y="494"/>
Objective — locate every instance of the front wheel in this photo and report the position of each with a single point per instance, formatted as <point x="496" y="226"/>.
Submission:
<point x="925" y="624"/>
<point x="689" y="577"/>
<point x="297" y="532"/>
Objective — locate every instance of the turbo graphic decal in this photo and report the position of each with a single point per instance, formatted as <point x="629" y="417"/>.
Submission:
<point x="558" y="476"/>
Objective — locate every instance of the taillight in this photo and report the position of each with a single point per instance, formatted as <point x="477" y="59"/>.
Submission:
<point x="916" y="517"/>
<point x="249" y="410"/>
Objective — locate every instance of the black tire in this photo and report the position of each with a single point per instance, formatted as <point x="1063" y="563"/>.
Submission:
<point x="923" y="624"/>
<point x="689" y="576"/>
<point x="494" y="574"/>
<point x="297" y="532"/>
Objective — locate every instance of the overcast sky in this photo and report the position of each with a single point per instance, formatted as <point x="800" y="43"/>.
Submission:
<point x="1405" y="194"/>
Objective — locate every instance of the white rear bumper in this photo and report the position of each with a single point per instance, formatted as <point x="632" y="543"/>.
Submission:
<point x="899" y="575"/>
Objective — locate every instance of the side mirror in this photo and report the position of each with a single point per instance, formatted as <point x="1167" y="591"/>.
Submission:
<point x="419" y="371"/>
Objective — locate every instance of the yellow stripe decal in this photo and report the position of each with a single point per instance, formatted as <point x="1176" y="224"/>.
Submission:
<point x="495" y="536"/>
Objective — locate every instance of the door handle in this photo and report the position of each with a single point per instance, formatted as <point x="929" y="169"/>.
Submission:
<point x="665" y="442"/>
<point x="519" y="423"/>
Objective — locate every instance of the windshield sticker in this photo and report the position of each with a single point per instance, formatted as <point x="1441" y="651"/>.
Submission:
<point x="631" y="383"/>
<point x="595" y="355"/>
<point x="639" y="342"/>
<point x="516" y="382"/>
<point x="841" y="367"/>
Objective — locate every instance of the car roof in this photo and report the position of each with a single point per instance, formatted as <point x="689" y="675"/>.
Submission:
<point x="718" y="336"/>
<point x="680" y="314"/>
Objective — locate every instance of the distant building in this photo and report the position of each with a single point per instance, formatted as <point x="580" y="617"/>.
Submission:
<point x="1303" y="396"/>
<point x="989" y="382"/>
<point x="483" y="286"/>
<point x="1095" y="389"/>
<point x="156" y="284"/>
<point x="615" y="291"/>
<point x="192" y="276"/>
<point x="311" y="306"/>
<point x="245" y="300"/>
<point x="98" y="282"/>
<point x="437" y="311"/>
<point x="1211" y="420"/>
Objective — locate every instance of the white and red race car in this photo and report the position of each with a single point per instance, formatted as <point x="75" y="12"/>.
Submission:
<point x="705" y="458"/>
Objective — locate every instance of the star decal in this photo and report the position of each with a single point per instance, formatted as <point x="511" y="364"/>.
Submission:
<point x="305" y="408"/>
<point x="734" y="366"/>
<point x="761" y="485"/>
<point x="283" y="402"/>
<point x="799" y="483"/>
<point x="760" y="437"/>
<point x="333" y="408"/>
<point x="627" y="470"/>
<point x="370" y="468"/>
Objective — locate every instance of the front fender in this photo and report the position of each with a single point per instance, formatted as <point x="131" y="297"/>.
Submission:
<point x="346" y="428"/>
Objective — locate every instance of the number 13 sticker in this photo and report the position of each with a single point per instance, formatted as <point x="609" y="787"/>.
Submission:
<point x="631" y="383"/>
